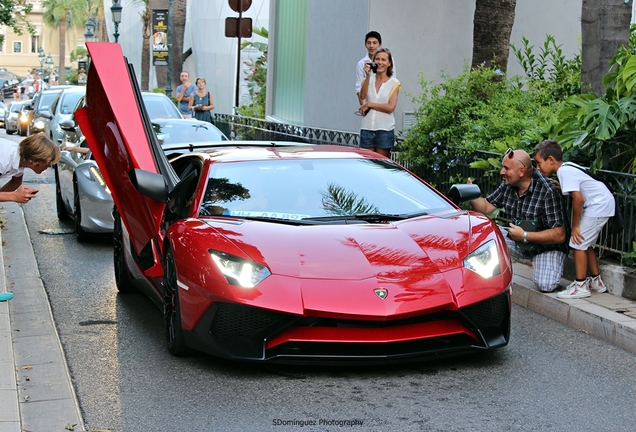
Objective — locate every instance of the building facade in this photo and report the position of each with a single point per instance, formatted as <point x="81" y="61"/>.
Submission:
<point x="20" y="53"/>
<point x="316" y="44"/>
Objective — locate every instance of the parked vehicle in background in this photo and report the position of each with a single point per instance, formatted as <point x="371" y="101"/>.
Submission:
<point x="26" y="112"/>
<point x="9" y="87"/>
<point x="80" y="191"/>
<point x="3" y="109"/>
<point x="159" y="106"/>
<point x="42" y="109"/>
<point x="11" y="117"/>
<point x="62" y="108"/>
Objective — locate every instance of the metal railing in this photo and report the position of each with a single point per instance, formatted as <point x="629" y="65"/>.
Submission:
<point x="441" y="177"/>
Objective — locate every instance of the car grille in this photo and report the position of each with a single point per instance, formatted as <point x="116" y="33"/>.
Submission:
<point x="242" y="332"/>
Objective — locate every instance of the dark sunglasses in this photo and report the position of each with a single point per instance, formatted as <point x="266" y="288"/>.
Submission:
<point x="510" y="153"/>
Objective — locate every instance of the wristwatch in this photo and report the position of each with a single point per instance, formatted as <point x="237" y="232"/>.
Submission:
<point x="524" y="238"/>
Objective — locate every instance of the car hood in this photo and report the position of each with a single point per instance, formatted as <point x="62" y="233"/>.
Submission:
<point x="338" y="268"/>
<point x="418" y="246"/>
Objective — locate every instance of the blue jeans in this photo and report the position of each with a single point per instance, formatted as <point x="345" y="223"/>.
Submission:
<point x="377" y="139"/>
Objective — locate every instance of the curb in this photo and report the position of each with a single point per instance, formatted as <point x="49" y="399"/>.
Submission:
<point x="44" y="392"/>
<point x="604" y="316"/>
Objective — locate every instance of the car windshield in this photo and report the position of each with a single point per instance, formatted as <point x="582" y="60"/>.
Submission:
<point x="159" y="107"/>
<point x="45" y="101"/>
<point x="181" y="131"/>
<point x="69" y="101"/>
<point x="317" y="189"/>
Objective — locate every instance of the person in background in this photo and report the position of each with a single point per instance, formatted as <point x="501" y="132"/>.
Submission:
<point x="36" y="152"/>
<point x="372" y="41"/>
<point x="184" y="92"/>
<point x="592" y="206"/>
<point x="201" y="102"/>
<point x="379" y="92"/>
<point x="527" y="195"/>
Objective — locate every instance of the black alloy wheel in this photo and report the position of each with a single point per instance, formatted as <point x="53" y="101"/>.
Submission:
<point x="62" y="214"/>
<point x="123" y="280"/>
<point x="172" y="310"/>
<point x="81" y="234"/>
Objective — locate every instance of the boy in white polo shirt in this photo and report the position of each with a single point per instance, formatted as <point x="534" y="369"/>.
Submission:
<point x="592" y="206"/>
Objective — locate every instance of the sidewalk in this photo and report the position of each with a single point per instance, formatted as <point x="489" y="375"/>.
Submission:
<point x="36" y="392"/>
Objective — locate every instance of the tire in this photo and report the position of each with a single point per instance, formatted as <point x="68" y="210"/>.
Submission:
<point x="123" y="280"/>
<point x="62" y="214"/>
<point x="10" y="132"/>
<point x="172" y="310"/>
<point x="80" y="233"/>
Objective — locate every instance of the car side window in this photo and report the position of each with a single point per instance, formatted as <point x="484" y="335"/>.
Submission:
<point x="182" y="197"/>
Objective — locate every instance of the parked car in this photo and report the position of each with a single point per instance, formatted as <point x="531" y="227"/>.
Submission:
<point x="26" y="112"/>
<point x="3" y="109"/>
<point x="81" y="193"/>
<point x="160" y="106"/>
<point x="11" y="117"/>
<point x="288" y="252"/>
<point x="9" y="87"/>
<point x="42" y="109"/>
<point x="62" y="109"/>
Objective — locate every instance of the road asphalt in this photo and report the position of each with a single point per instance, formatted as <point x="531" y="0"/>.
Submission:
<point x="36" y="390"/>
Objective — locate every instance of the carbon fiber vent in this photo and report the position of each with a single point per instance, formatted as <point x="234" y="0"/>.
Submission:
<point x="489" y="313"/>
<point x="236" y="321"/>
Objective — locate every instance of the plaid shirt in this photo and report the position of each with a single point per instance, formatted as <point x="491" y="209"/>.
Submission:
<point x="542" y="202"/>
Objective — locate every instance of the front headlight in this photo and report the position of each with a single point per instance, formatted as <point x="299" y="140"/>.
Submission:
<point x="96" y="175"/>
<point x="39" y="125"/>
<point x="239" y="271"/>
<point x="484" y="260"/>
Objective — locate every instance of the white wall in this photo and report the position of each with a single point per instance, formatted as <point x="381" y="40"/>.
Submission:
<point x="214" y="55"/>
<point x="425" y="36"/>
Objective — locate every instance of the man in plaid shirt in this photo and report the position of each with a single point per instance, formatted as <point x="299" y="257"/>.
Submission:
<point x="527" y="195"/>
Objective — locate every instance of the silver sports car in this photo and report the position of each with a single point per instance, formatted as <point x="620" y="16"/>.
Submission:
<point x="82" y="194"/>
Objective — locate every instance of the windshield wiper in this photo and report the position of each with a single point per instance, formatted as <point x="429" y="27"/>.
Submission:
<point x="367" y="217"/>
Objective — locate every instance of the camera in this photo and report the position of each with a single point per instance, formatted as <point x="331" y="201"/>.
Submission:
<point x="374" y="67"/>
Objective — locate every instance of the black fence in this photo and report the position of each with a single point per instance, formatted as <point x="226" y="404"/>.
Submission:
<point x="442" y="177"/>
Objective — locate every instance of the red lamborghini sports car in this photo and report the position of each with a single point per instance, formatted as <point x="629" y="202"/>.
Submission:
<point x="288" y="252"/>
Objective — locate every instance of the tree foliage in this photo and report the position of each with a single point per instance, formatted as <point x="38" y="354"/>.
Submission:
<point x="256" y="77"/>
<point x="600" y="131"/>
<point x="13" y="14"/>
<point x="484" y="109"/>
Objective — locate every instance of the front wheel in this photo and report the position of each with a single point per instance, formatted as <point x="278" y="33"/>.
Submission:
<point x="123" y="280"/>
<point x="80" y="233"/>
<point x="172" y="310"/>
<point x="62" y="214"/>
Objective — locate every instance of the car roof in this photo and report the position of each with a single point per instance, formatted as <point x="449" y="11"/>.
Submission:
<point x="235" y="151"/>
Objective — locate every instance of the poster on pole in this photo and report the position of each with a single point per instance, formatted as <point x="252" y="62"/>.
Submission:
<point x="159" y="37"/>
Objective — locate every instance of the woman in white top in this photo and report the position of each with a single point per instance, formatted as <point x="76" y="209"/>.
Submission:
<point x="380" y="94"/>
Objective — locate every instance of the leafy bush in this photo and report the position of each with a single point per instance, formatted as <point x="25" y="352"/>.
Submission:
<point x="256" y="78"/>
<point x="600" y="131"/>
<point x="483" y="109"/>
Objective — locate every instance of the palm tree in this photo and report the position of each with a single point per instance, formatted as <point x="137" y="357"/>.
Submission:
<point x="146" y="18"/>
<point x="604" y="28"/>
<point x="178" y="31"/>
<point x="492" y="26"/>
<point x="63" y="14"/>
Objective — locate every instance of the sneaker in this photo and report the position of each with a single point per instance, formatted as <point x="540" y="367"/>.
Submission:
<point x="575" y="290"/>
<point x="596" y="284"/>
<point x="5" y="296"/>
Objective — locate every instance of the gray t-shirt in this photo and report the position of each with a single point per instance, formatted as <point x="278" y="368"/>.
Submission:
<point x="183" y="105"/>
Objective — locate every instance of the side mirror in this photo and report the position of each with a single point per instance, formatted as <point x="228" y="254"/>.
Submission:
<point x="460" y="193"/>
<point x="68" y="125"/>
<point x="149" y="184"/>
